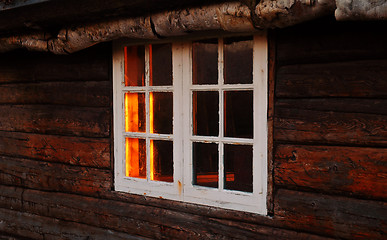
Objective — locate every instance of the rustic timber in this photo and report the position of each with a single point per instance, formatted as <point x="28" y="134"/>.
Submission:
<point x="93" y="152"/>
<point x="88" y="65"/>
<point x="57" y="13"/>
<point x="60" y="120"/>
<point x="328" y="127"/>
<point x="347" y="105"/>
<point x="80" y="94"/>
<point x="360" y="172"/>
<point x="115" y="215"/>
<point x="20" y="224"/>
<point x="344" y="79"/>
<point x="54" y="176"/>
<point x="331" y="42"/>
<point x="334" y="216"/>
<point x="270" y="119"/>
<point x="229" y="17"/>
<point x="361" y="10"/>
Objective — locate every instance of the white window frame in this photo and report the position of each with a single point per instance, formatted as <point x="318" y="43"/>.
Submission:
<point x="182" y="188"/>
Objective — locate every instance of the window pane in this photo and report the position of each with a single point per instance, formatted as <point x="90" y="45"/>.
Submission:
<point x="160" y="64"/>
<point x="205" y="113"/>
<point x="161" y="154"/>
<point x="135" y="112"/>
<point x="238" y="166"/>
<point x="205" y="62"/>
<point x="238" y="112"/>
<point x="238" y="60"/>
<point x="135" y="157"/>
<point x="134" y="66"/>
<point x="161" y="112"/>
<point x="205" y="161"/>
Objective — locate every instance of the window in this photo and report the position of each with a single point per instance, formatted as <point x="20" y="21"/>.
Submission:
<point x="190" y="121"/>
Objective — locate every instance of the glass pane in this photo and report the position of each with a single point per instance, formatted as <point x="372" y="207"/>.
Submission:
<point x="135" y="157"/>
<point x="238" y="60"/>
<point x="134" y="66"/>
<point x="161" y="112"/>
<point x="205" y="161"/>
<point x="161" y="160"/>
<point x="205" y="113"/>
<point x="160" y="64"/>
<point x="238" y="112"/>
<point x="238" y="166"/>
<point x="205" y="62"/>
<point x="135" y="112"/>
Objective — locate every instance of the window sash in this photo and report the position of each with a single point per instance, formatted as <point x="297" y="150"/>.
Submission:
<point x="182" y="188"/>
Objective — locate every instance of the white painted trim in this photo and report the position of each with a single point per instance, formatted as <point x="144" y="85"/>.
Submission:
<point x="182" y="189"/>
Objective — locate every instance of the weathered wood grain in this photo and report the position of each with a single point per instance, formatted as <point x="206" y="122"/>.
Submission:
<point x="344" y="105"/>
<point x="21" y="224"/>
<point x="51" y="119"/>
<point x="270" y="119"/>
<point x="54" y="176"/>
<point x="91" y="64"/>
<point x="328" y="41"/>
<point x="81" y="94"/>
<point x="343" y="79"/>
<point x="329" y="127"/>
<point x="341" y="170"/>
<point x="334" y="216"/>
<point x="93" y="152"/>
<point x="139" y="219"/>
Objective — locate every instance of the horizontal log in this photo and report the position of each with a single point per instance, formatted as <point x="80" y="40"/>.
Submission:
<point x="51" y="119"/>
<point x="71" y="150"/>
<point x="341" y="170"/>
<point x="343" y="105"/>
<point x="339" y="217"/>
<point x="21" y="225"/>
<point x="325" y="40"/>
<point x="347" y="79"/>
<point x="54" y="176"/>
<point x="22" y="66"/>
<point x="85" y="94"/>
<point x="137" y="219"/>
<point x="328" y="127"/>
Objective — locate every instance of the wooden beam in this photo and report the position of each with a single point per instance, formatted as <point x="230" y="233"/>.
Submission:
<point x="20" y="224"/>
<point x="343" y="79"/>
<point x="60" y="120"/>
<point x="329" y="127"/>
<point x="334" y="216"/>
<point x="93" y="152"/>
<point x="350" y="171"/>
<point x="80" y="94"/>
<point x="54" y="176"/>
<point x="139" y="219"/>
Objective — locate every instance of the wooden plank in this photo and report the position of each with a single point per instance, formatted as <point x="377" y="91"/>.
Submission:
<point x="89" y="65"/>
<point x="51" y="119"/>
<point x="82" y="94"/>
<point x="343" y="105"/>
<point x="270" y="119"/>
<point x="21" y="225"/>
<point x="54" y="176"/>
<point x="139" y="218"/>
<point x="327" y="41"/>
<point x="71" y="150"/>
<point x="328" y="127"/>
<point x="347" y="79"/>
<point x="341" y="170"/>
<point x="11" y="197"/>
<point x="334" y="216"/>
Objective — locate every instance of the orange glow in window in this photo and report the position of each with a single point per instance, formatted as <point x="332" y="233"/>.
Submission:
<point x="152" y="170"/>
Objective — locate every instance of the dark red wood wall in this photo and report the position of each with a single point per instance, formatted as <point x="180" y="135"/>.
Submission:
<point x="329" y="146"/>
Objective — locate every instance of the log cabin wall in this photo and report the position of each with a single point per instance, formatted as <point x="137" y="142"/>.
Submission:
<point x="329" y="146"/>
